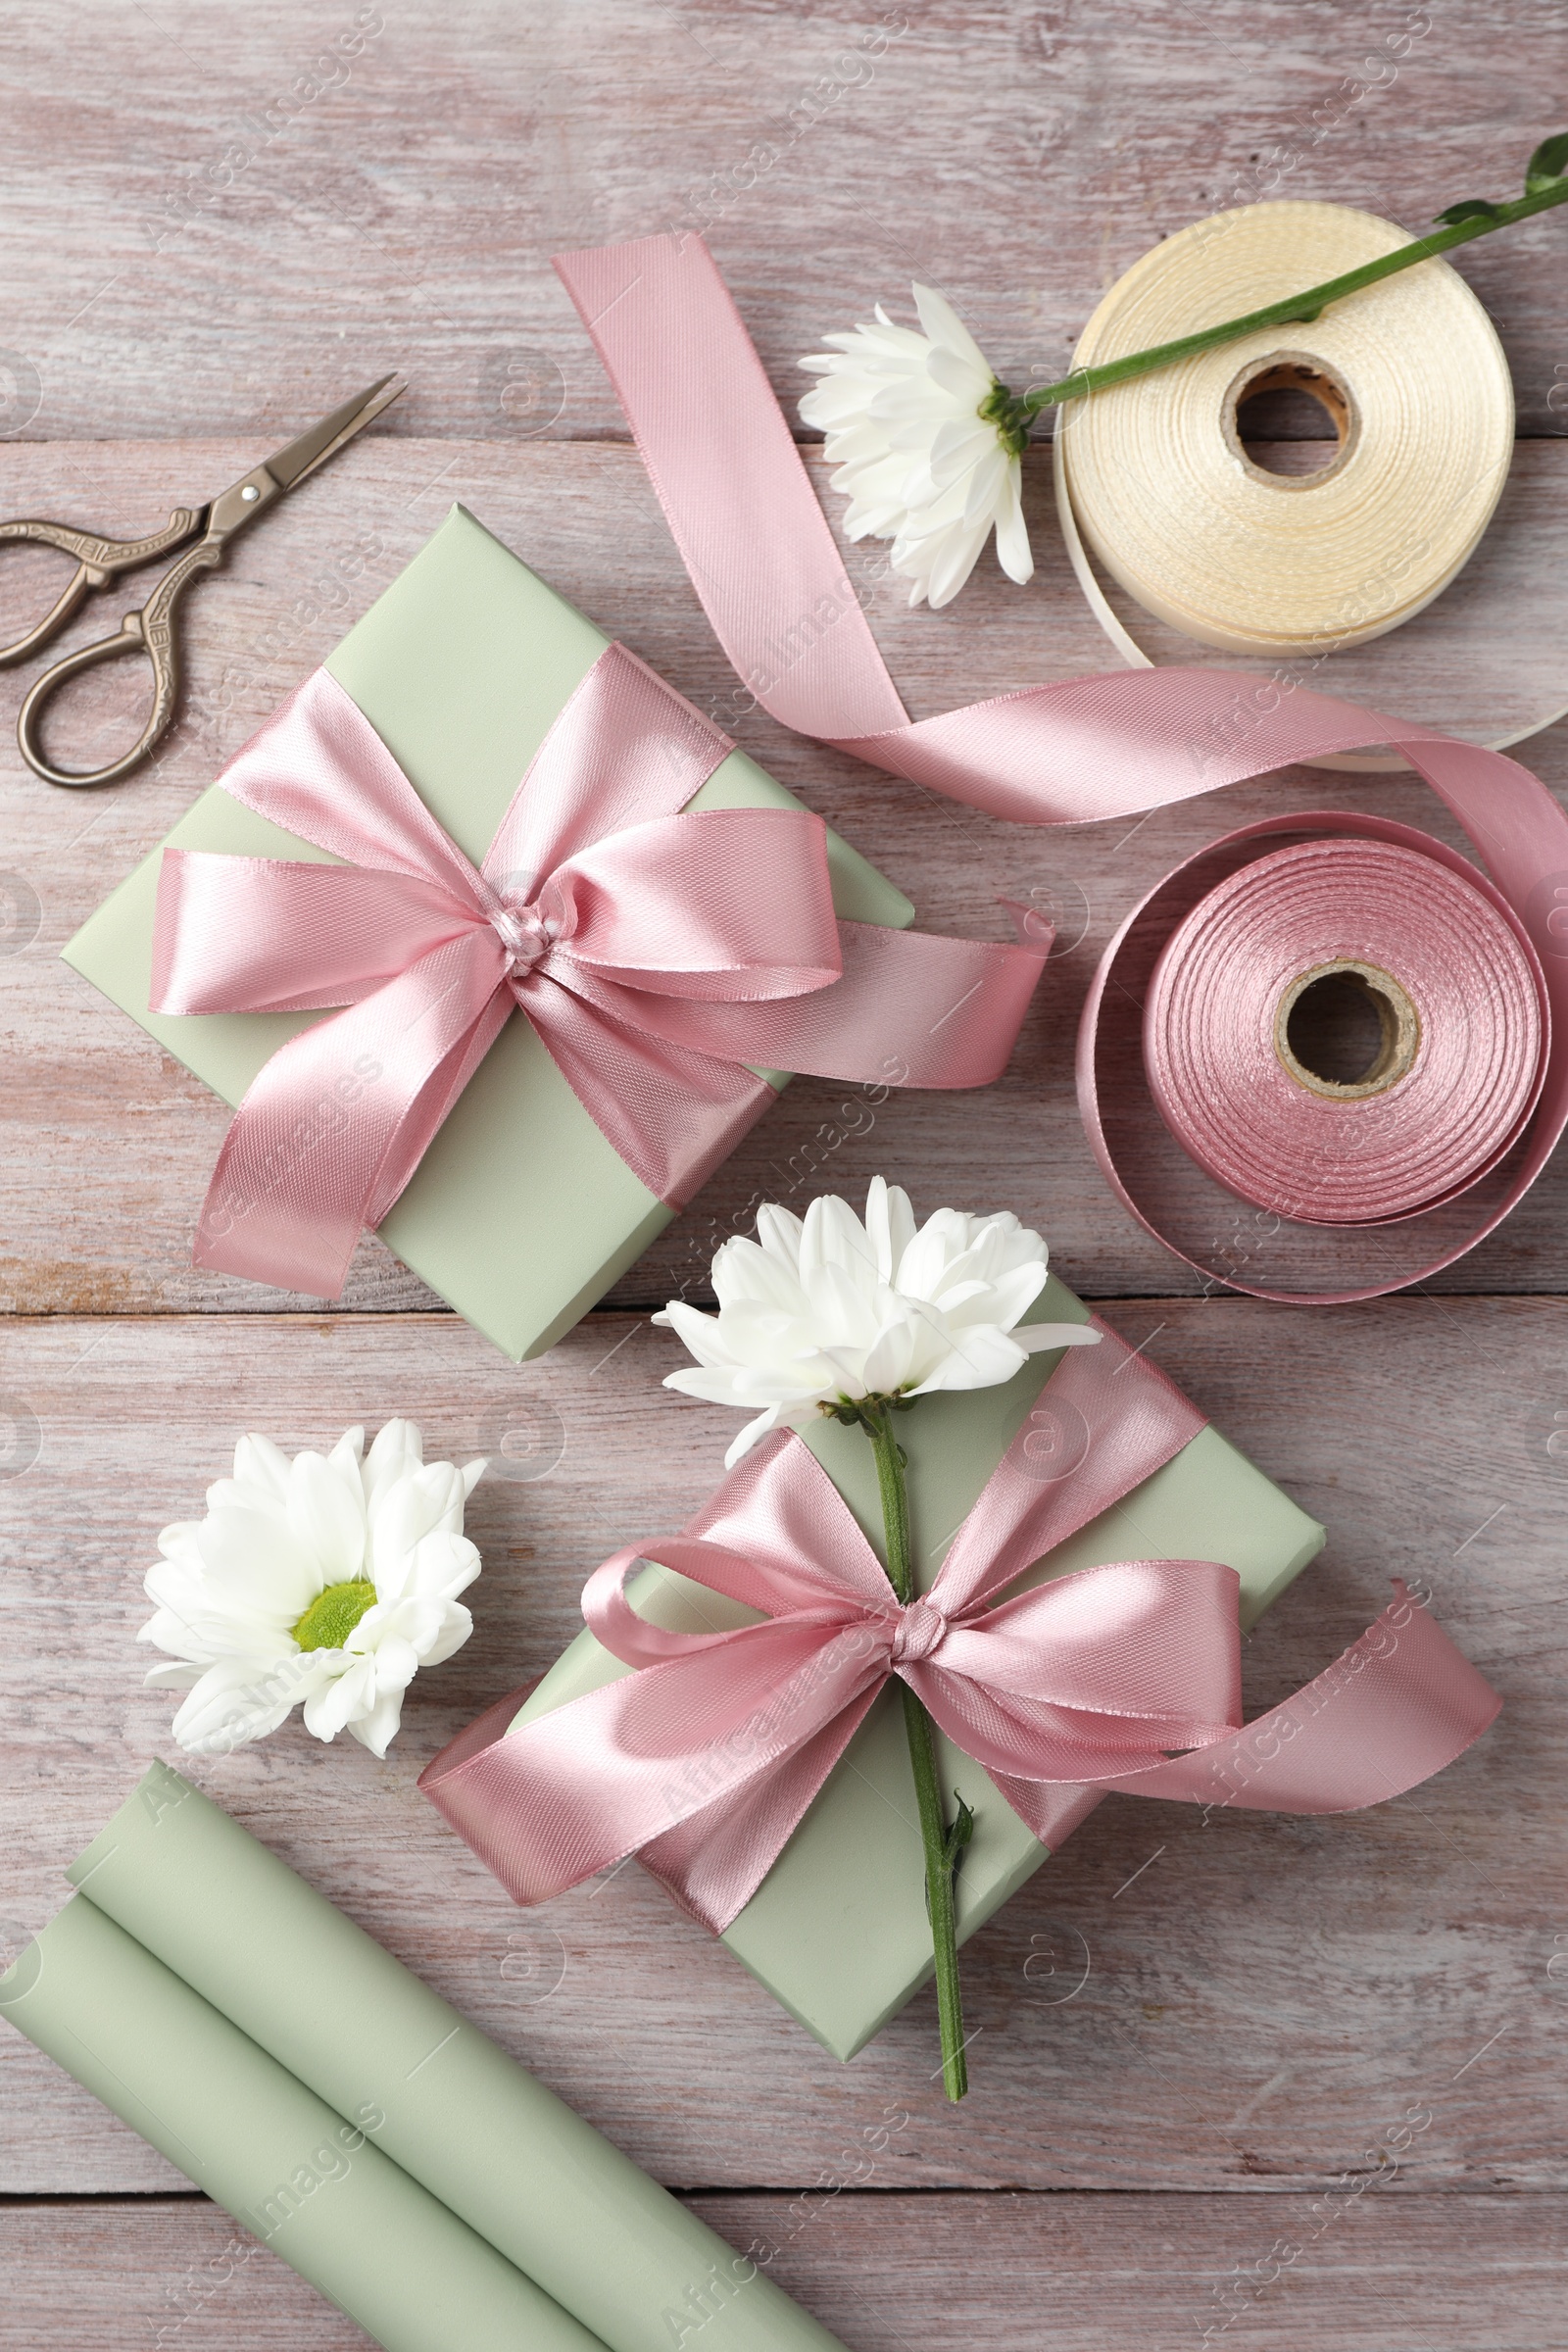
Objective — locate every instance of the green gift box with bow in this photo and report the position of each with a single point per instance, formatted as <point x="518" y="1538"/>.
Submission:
<point x="838" y="1929"/>
<point x="521" y="1214"/>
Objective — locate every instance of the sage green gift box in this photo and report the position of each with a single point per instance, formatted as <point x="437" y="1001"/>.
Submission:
<point x="838" y="1929"/>
<point x="520" y="1214"/>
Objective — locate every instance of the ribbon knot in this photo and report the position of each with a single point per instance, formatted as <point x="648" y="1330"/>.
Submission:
<point x="683" y="951"/>
<point x="920" y="1629"/>
<point x="1125" y="1676"/>
<point x="527" y="937"/>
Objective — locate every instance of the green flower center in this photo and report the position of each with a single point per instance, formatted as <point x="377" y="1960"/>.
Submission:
<point x="334" y="1614"/>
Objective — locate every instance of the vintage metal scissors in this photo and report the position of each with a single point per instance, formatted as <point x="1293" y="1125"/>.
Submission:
<point x="151" y="630"/>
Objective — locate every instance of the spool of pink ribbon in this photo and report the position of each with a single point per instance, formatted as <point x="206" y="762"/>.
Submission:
<point x="1450" y="1062"/>
<point x="1197" y="1071"/>
<point x="1412" y="1111"/>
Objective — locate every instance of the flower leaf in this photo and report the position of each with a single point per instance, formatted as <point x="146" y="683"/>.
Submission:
<point x="1470" y="208"/>
<point x="958" y="1836"/>
<point x="1547" y="164"/>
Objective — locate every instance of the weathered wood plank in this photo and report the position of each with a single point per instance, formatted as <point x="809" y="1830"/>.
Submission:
<point x="1258" y="2002"/>
<point x="266" y="209"/>
<point x="892" y="2274"/>
<point x="109" y="1146"/>
<point x="214" y="233"/>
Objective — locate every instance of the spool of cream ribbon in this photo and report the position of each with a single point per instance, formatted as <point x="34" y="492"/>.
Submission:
<point x="1154" y="481"/>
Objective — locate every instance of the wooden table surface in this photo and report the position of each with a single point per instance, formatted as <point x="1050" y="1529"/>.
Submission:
<point x="1196" y="2043"/>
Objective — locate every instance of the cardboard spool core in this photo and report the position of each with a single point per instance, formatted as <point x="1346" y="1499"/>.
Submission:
<point x="1332" y="1028"/>
<point x="1292" y="371"/>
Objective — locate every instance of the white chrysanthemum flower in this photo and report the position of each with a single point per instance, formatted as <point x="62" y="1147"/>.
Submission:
<point x="332" y="1578"/>
<point x="922" y="464"/>
<point x="825" y="1312"/>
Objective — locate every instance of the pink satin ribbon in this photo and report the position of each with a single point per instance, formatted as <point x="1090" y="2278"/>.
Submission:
<point x="723" y="462"/>
<point x="1216" y="1070"/>
<point x="704" y="1761"/>
<point x="655" y="951"/>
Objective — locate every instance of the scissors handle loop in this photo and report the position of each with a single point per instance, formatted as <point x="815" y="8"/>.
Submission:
<point x="97" y="561"/>
<point x="150" y="631"/>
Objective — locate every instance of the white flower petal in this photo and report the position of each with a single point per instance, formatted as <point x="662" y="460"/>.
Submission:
<point x="713" y="1384"/>
<point x="1013" y="551"/>
<point x="377" y="1729"/>
<point x="453" y="1627"/>
<point x="753" y="1433"/>
<point x="745" y="1270"/>
<point x="440" y="1567"/>
<point x="964" y="384"/>
<point x="259" y="1463"/>
<point x="1035" y="1338"/>
<point x="257" y="1562"/>
<point x="701" y="1333"/>
<point x="953" y="563"/>
<point x="834" y="1236"/>
<point x="175" y="1674"/>
<point x="890" y="1359"/>
<point x="982" y="1358"/>
<point x="889" y="1224"/>
<point x="1005" y="1301"/>
<point x="340" y="1696"/>
<point x="326" y="1517"/>
<point x="943" y="324"/>
<point x="398" y="1449"/>
<point x="237" y="1701"/>
<point x="425" y="1502"/>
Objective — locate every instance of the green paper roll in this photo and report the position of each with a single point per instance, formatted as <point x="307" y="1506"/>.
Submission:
<point x="456" y="2113"/>
<point x="288" y="2168"/>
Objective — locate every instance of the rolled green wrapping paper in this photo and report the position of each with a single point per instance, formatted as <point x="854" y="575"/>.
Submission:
<point x="288" y="2168"/>
<point x="453" y="2111"/>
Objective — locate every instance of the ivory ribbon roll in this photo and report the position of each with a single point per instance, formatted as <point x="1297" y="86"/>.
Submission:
<point x="1411" y="373"/>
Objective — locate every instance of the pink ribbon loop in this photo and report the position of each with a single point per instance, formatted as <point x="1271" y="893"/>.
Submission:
<point x="785" y="612"/>
<point x="705" y="1758"/>
<point x="663" y="954"/>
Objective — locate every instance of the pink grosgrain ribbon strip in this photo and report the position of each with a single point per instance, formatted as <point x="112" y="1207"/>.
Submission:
<point x="656" y="951"/>
<point x="703" y="1760"/>
<point x="722" y="461"/>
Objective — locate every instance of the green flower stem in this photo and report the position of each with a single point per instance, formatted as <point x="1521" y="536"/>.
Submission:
<point x="1012" y="413"/>
<point x="942" y="1845"/>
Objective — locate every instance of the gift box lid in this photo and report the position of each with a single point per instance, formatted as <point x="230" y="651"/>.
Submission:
<point x="521" y="1214"/>
<point x="838" y="1931"/>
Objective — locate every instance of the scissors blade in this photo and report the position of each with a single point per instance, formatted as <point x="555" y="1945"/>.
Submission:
<point x="300" y="459"/>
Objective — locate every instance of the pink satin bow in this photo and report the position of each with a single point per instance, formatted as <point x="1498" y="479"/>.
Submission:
<point x="656" y="951"/>
<point x="721" y="457"/>
<point x="703" y="1760"/>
